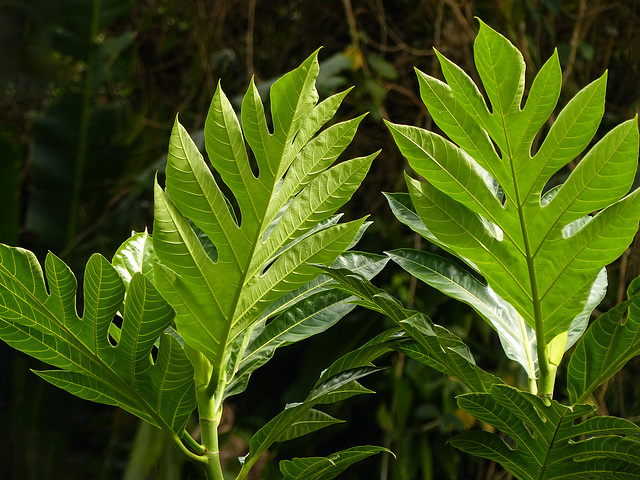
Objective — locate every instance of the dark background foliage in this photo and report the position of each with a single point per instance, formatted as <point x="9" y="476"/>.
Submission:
<point x="88" y="92"/>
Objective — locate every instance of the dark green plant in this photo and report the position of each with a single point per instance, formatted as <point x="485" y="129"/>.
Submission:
<point x="179" y="320"/>
<point x="82" y="140"/>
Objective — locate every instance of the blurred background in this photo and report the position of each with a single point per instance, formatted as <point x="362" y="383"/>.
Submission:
<point x="89" y="90"/>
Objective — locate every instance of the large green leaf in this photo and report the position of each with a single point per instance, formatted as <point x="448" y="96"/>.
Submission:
<point x="483" y="196"/>
<point x="46" y="325"/>
<point x="326" y="468"/>
<point x="610" y="342"/>
<point x="272" y="219"/>
<point x="547" y="440"/>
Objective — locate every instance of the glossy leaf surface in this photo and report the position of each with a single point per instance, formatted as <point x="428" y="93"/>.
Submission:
<point x="275" y="219"/>
<point x="305" y="312"/>
<point x="540" y="253"/>
<point x="610" y="342"/>
<point x="46" y="325"/>
<point x="517" y="337"/>
<point x="549" y="441"/>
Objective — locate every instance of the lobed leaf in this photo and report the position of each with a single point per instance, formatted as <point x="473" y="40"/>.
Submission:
<point x="268" y="220"/>
<point x="46" y="326"/>
<point x="547" y="441"/>
<point x="542" y="255"/>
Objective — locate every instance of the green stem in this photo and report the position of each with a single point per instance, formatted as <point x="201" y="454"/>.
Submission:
<point x="547" y="375"/>
<point x="547" y="371"/>
<point x="210" y="412"/>
<point x="190" y="442"/>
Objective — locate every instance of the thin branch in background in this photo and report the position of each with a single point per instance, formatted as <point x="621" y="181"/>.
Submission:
<point x="353" y="33"/>
<point x="524" y="48"/>
<point x="462" y="19"/>
<point x="466" y="22"/>
<point x="437" y="35"/>
<point x="622" y="276"/>
<point x="250" y="34"/>
<point x="203" y="42"/>
<point x="382" y="22"/>
<point x="576" y="38"/>
<point x="387" y="31"/>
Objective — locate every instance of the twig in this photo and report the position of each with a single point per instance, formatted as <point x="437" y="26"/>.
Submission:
<point x="575" y="42"/>
<point x="250" y="28"/>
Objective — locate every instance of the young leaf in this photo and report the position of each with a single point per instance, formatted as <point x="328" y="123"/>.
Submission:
<point x="326" y="468"/>
<point x="483" y="199"/>
<point x="135" y="255"/>
<point x="548" y="441"/>
<point x="517" y="337"/>
<point x="306" y="311"/>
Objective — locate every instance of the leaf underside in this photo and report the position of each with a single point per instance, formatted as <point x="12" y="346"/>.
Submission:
<point x="488" y="199"/>
<point x="268" y="226"/>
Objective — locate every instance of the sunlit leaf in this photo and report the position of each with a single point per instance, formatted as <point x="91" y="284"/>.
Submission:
<point x="264" y="243"/>
<point x="483" y="196"/>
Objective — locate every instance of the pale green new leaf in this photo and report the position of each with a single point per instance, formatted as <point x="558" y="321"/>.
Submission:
<point x="135" y="255"/>
<point x="610" y="342"/>
<point x="278" y="217"/>
<point x="326" y="468"/>
<point x="548" y="441"/>
<point x="46" y="326"/>
<point x="483" y="197"/>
